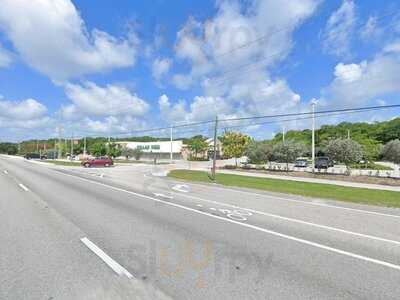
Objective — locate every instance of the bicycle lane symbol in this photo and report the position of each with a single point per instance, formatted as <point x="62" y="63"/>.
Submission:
<point x="236" y="215"/>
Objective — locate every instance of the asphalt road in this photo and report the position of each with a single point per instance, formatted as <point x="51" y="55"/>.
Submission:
<point x="89" y="234"/>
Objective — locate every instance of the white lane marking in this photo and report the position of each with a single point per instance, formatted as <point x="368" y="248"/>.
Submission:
<point x="199" y="205"/>
<point x="116" y="267"/>
<point x="212" y="208"/>
<point x="295" y="220"/>
<point x="181" y="188"/>
<point x="5" y="172"/>
<point x="271" y="197"/>
<point x="23" y="187"/>
<point x="163" y="196"/>
<point x="271" y="232"/>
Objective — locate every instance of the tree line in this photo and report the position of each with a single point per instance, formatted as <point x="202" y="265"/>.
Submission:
<point x="347" y="143"/>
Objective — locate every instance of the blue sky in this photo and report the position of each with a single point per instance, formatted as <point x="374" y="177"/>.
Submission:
<point x="94" y="67"/>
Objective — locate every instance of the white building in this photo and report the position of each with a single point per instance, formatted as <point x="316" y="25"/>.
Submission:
<point x="156" y="149"/>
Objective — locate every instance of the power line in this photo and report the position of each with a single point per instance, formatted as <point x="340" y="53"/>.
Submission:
<point x="317" y="112"/>
<point x="233" y="70"/>
<point x="289" y="27"/>
<point x="322" y="113"/>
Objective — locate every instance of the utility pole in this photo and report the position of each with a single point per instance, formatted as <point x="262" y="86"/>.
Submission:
<point x="72" y="147"/>
<point x="37" y="146"/>
<point x="215" y="148"/>
<point x="313" y="103"/>
<point x="171" y="155"/>
<point x="283" y="134"/>
<point x="348" y="134"/>
<point x="59" y="143"/>
<point x="109" y="137"/>
<point x="84" y="146"/>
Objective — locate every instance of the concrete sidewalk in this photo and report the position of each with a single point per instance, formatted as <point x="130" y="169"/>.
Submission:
<point x="315" y="180"/>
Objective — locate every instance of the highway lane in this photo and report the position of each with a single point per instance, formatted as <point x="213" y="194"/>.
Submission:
<point x="191" y="252"/>
<point x="41" y="255"/>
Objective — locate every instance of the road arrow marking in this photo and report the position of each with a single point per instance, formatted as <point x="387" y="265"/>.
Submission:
<point x="181" y="188"/>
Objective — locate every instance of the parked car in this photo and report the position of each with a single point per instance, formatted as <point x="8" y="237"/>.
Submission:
<point x="97" y="162"/>
<point x="301" y="163"/>
<point x="323" y="162"/>
<point x="32" y="156"/>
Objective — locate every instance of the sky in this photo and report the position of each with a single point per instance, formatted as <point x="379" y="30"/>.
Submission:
<point x="93" y="68"/>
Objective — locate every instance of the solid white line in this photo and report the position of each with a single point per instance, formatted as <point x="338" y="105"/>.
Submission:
<point x="116" y="267"/>
<point x="304" y="202"/>
<point x="294" y="220"/>
<point x="288" y="237"/>
<point x="23" y="187"/>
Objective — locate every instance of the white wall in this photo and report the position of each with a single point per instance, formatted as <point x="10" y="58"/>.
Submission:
<point x="165" y="147"/>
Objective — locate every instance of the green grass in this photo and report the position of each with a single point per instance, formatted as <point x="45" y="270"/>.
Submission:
<point x="130" y="161"/>
<point x="147" y="162"/>
<point x="316" y="190"/>
<point x="63" y="163"/>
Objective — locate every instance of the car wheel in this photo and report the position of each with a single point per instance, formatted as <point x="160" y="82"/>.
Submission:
<point x="87" y="165"/>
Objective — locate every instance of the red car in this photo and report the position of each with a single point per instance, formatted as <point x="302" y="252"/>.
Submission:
<point x="98" y="162"/>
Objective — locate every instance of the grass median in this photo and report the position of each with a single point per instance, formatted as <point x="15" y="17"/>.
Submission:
<point x="316" y="190"/>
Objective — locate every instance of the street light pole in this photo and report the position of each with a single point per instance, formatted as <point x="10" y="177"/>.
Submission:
<point x="84" y="146"/>
<point x="215" y="148"/>
<point x="171" y="155"/>
<point x="72" y="147"/>
<point x="313" y="103"/>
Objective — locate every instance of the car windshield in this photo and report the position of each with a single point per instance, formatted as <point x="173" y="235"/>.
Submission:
<point x="209" y="149"/>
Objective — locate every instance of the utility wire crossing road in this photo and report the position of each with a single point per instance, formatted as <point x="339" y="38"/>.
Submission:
<point x="186" y="241"/>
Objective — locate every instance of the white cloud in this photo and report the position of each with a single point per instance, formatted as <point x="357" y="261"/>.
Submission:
<point x="90" y="99"/>
<point x="371" y="29"/>
<point x="217" y="50"/>
<point x="5" y="57"/>
<point x="53" y="39"/>
<point x="393" y="47"/>
<point x="359" y="84"/>
<point x="114" y="125"/>
<point x="208" y="46"/>
<point x="22" y="110"/>
<point x="339" y="28"/>
<point x="161" y="66"/>
<point x="349" y="72"/>
<point x="26" y="114"/>
<point x="262" y="98"/>
<point x="172" y="113"/>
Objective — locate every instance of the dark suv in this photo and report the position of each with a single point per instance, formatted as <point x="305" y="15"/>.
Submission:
<point x="32" y="156"/>
<point x="323" y="162"/>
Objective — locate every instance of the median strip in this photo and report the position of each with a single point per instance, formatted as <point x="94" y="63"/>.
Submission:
<point x="315" y="190"/>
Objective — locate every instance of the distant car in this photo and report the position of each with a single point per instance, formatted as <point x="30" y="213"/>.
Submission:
<point x="323" y="162"/>
<point x="98" y="162"/>
<point x="301" y="163"/>
<point x="32" y="156"/>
